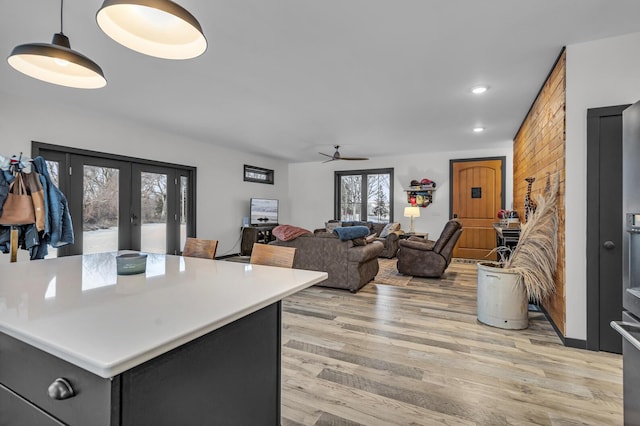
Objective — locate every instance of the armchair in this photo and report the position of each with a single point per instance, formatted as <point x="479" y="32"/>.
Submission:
<point x="426" y="258"/>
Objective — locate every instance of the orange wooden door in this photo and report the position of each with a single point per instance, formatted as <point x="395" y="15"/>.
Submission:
<point x="476" y="192"/>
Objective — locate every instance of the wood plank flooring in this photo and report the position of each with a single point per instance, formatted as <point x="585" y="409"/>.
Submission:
<point x="416" y="355"/>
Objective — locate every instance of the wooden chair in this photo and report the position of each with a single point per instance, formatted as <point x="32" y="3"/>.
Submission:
<point x="196" y="247"/>
<point x="270" y="255"/>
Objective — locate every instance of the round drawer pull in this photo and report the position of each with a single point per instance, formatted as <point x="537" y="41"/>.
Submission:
<point x="60" y="389"/>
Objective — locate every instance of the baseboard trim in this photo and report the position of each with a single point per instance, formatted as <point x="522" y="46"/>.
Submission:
<point x="574" y="343"/>
<point x="566" y="341"/>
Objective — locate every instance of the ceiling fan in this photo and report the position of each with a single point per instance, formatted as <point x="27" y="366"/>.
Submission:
<point x="336" y="156"/>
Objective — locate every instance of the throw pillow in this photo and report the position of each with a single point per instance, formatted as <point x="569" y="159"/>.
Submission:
<point x="389" y="227"/>
<point x="288" y="232"/>
<point x="330" y="226"/>
<point x="370" y="238"/>
<point x="359" y="241"/>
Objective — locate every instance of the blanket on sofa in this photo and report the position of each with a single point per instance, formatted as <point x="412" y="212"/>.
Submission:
<point x="288" y="232"/>
<point x="351" y="232"/>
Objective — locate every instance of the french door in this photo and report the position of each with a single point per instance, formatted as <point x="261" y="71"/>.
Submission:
<point x="119" y="203"/>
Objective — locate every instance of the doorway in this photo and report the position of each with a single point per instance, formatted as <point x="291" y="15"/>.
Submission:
<point x="120" y="203"/>
<point x="477" y="193"/>
<point x="604" y="227"/>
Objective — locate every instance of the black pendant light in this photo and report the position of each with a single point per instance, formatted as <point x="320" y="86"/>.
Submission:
<point x="57" y="63"/>
<point x="159" y="28"/>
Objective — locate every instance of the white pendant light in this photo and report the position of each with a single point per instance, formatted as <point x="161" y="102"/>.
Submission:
<point x="57" y="63"/>
<point x="159" y="28"/>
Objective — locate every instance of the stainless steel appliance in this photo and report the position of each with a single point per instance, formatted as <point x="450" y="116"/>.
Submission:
<point x="629" y="327"/>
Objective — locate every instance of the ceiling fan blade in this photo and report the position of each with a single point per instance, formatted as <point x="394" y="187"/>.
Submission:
<point x="326" y="155"/>
<point x="330" y="159"/>
<point x="353" y="158"/>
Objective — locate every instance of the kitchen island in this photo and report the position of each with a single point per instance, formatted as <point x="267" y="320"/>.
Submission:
<point x="191" y="341"/>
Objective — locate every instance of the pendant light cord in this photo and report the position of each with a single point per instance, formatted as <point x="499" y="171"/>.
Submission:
<point x="61" y="7"/>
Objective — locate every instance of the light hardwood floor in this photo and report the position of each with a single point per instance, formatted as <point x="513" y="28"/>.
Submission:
<point x="416" y="355"/>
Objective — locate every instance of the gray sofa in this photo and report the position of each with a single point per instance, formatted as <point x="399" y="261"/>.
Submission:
<point x="389" y="242"/>
<point x="349" y="266"/>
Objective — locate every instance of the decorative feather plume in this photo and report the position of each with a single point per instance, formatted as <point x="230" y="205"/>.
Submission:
<point x="535" y="256"/>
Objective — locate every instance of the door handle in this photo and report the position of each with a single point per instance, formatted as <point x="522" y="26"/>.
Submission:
<point x="608" y="245"/>
<point x="626" y="329"/>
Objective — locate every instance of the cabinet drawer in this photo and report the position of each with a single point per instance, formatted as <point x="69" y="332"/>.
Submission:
<point x="28" y="372"/>
<point x="15" y="411"/>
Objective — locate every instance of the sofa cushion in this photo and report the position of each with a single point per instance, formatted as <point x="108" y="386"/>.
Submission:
<point x="389" y="227"/>
<point x="378" y="227"/>
<point x="331" y="225"/>
<point x="326" y="235"/>
<point x="288" y="232"/>
<point x="351" y="232"/>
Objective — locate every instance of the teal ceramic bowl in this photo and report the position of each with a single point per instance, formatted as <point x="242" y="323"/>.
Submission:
<point x="131" y="263"/>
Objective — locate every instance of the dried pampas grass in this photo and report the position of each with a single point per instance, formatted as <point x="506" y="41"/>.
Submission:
<point x="535" y="256"/>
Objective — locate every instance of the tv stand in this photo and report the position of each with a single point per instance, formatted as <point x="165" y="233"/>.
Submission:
<point x="255" y="234"/>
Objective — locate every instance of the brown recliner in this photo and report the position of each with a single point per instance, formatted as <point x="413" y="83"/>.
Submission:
<point x="426" y="258"/>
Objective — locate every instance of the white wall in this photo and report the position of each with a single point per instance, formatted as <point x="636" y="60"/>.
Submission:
<point x="312" y="190"/>
<point x="222" y="195"/>
<point x="599" y="74"/>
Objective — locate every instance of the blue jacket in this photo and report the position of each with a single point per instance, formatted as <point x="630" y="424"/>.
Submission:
<point x="4" y="189"/>
<point x="58" y="229"/>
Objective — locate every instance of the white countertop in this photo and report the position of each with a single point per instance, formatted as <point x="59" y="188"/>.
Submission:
<point x="78" y="309"/>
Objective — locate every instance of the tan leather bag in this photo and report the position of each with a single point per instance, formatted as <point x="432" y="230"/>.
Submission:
<point x="18" y="207"/>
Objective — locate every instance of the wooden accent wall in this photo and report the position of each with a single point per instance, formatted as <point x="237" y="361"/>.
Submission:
<point x="538" y="149"/>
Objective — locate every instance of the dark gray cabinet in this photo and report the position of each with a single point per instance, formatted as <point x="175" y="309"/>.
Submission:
<point x="228" y="376"/>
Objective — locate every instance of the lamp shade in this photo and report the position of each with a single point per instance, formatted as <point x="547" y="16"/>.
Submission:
<point x="57" y="63"/>
<point x="412" y="212"/>
<point x="159" y="28"/>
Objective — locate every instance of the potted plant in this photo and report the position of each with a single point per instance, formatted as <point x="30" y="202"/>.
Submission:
<point x="525" y="273"/>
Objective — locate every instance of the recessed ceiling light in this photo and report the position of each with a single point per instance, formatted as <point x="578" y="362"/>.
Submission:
<point x="479" y="90"/>
<point x="478" y="129"/>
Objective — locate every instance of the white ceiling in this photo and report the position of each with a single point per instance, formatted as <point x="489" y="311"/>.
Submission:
<point x="289" y="78"/>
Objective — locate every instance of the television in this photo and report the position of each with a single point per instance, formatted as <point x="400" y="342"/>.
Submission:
<point x="263" y="211"/>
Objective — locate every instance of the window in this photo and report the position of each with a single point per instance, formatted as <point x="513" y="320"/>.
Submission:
<point x="257" y="174"/>
<point x="365" y="195"/>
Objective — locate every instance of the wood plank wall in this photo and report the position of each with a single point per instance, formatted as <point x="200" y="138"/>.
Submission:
<point x="538" y="149"/>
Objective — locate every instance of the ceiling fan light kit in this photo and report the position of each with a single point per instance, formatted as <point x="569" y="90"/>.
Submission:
<point x="336" y="156"/>
<point x="159" y="28"/>
<point x="57" y="63"/>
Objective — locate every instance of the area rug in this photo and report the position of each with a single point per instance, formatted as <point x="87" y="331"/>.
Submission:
<point x="388" y="273"/>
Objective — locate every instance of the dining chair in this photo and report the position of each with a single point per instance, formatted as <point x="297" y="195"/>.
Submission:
<point x="270" y="255"/>
<point x="197" y="247"/>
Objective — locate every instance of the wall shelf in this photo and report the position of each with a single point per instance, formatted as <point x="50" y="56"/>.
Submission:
<point x="422" y="196"/>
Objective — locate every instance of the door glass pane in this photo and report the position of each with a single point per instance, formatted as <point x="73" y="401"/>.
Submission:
<point x="54" y="175"/>
<point x="378" y="199"/>
<point x="100" y="209"/>
<point x="153" y="219"/>
<point x="184" y="198"/>
<point x="350" y="193"/>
